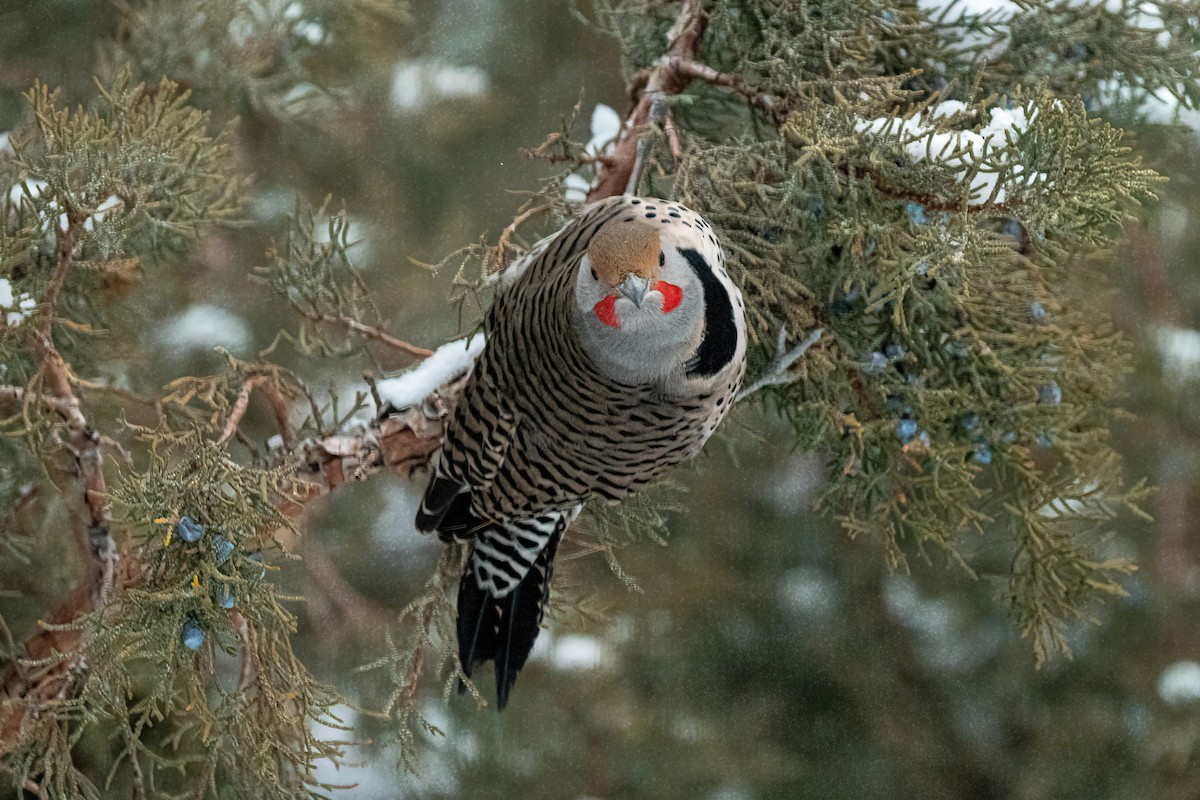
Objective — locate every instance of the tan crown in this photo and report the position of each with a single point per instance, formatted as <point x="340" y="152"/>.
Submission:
<point x="620" y="249"/>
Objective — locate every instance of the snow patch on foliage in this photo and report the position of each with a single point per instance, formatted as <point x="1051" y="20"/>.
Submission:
<point x="311" y="32"/>
<point x="358" y="239"/>
<point x="605" y="127"/>
<point x="14" y="308"/>
<point x="576" y="188"/>
<point x="31" y="188"/>
<point x="1087" y="500"/>
<point x="985" y="156"/>
<point x="447" y="363"/>
<point x="111" y="203"/>
<point x="995" y="9"/>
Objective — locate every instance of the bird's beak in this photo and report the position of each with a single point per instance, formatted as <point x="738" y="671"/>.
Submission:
<point x="635" y="288"/>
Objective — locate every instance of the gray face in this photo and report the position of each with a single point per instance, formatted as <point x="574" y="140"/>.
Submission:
<point x="650" y="341"/>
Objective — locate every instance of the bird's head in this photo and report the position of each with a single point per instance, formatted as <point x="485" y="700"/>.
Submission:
<point x="639" y="300"/>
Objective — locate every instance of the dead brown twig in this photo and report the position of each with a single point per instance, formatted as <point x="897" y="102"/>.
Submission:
<point x="370" y="332"/>
<point x="502" y="243"/>
<point x="675" y="70"/>
<point x="278" y="403"/>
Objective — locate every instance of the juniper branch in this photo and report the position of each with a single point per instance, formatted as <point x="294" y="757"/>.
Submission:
<point x="765" y="101"/>
<point x="17" y="394"/>
<point x="371" y="332"/>
<point x="682" y="42"/>
<point x="84" y="441"/>
<point x="400" y="441"/>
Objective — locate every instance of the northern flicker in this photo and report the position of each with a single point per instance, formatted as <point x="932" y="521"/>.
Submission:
<point x="614" y="349"/>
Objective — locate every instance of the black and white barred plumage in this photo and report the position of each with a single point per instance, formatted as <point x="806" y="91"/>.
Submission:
<point x="614" y="349"/>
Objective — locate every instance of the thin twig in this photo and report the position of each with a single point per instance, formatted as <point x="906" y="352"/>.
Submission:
<point x="777" y="373"/>
<point x="690" y="68"/>
<point x="369" y="377"/>
<point x="658" y="113"/>
<point x="279" y="408"/>
<point x="371" y="332"/>
<point x="113" y="444"/>
<point x="275" y="398"/>
<point x="511" y="228"/>
<point x="17" y="394"/>
<point x="249" y="669"/>
<point x="65" y="242"/>
<point x="239" y="408"/>
<point x="139" y="780"/>
<point x="416" y="666"/>
<point x="673" y="135"/>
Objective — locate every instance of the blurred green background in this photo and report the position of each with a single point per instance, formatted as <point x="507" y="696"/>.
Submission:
<point x="767" y="656"/>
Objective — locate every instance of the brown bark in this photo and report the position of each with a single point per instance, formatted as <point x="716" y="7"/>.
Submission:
<point x="682" y="43"/>
<point x="674" y="72"/>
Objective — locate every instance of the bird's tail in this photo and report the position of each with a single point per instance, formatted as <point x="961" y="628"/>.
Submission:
<point x="502" y="596"/>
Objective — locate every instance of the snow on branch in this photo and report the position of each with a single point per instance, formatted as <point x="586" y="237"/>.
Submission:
<point x="448" y="362"/>
<point x="985" y="159"/>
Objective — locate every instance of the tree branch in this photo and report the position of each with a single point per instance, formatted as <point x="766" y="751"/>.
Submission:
<point x="239" y="408"/>
<point x="370" y="332"/>
<point x="400" y="441"/>
<point x="279" y="407"/>
<point x="689" y="68"/>
<point x="682" y="42"/>
<point x="56" y="651"/>
<point x="85" y="443"/>
<point x="674" y="72"/>
<point x="502" y="243"/>
<point x="17" y="394"/>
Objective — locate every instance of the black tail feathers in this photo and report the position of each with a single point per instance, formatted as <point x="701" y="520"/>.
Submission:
<point x="440" y="496"/>
<point x="503" y="629"/>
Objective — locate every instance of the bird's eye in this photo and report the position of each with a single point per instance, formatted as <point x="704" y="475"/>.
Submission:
<point x="662" y="258"/>
<point x="595" y="277"/>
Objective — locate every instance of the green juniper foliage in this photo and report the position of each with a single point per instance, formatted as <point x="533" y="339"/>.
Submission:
<point x="257" y="56"/>
<point x="957" y="389"/>
<point x="923" y="187"/>
<point x="317" y="276"/>
<point x="230" y="708"/>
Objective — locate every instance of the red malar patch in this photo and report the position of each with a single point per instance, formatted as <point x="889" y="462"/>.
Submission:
<point x="672" y="295"/>
<point x="606" y="310"/>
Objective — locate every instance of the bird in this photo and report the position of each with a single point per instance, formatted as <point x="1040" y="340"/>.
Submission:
<point x="613" y="350"/>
